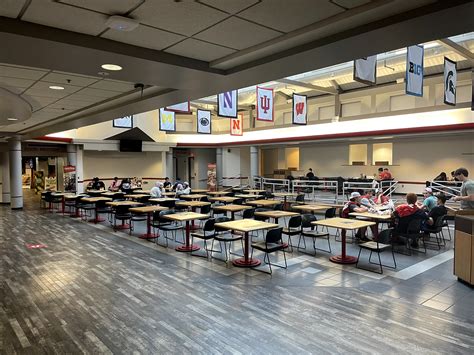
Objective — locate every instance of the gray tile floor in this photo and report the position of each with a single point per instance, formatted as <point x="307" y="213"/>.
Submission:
<point x="95" y="291"/>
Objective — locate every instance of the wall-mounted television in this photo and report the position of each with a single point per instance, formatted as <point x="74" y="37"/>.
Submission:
<point x="129" y="145"/>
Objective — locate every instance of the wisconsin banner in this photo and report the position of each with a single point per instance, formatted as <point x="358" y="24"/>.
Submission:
<point x="300" y="109"/>
<point x="227" y="104"/>
<point x="365" y="70"/>
<point x="414" y="71"/>
<point x="264" y="104"/>
<point x="450" y="79"/>
<point x="183" y="107"/>
<point x="237" y="125"/>
<point x="167" y="120"/>
<point x="203" y="121"/>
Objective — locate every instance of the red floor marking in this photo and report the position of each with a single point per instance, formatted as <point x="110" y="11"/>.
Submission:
<point x="35" y="246"/>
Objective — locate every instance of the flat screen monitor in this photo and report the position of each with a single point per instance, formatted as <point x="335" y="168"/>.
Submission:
<point x="128" y="145"/>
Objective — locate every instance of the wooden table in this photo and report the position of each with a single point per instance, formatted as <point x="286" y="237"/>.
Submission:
<point x="225" y="199"/>
<point x="141" y="192"/>
<point x="218" y="193"/>
<point x="94" y="200"/>
<point x="347" y="224"/>
<point x="311" y="208"/>
<point x="149" y="213"/>
<point x="246" y="226"/>
<point x="285" y="196"/>
<point x="110" y="193"/>
<point x="248" y="196"/>
<point x="162" y="199"/>
<point x="191" y="196"/>
<point x="276" y="214"/>
<point x="135" y="196"/>
<point x="372" y="216"/>
<point x="254" y="191"/>
<point x="123" y="203"/>
<point x="171" y="193"/>
<point x="186" y="217"/>
<point x="94" y="193"/>
<point x="231" y="208"/>
<point x="199" y="191"/>
<point x="193" y="205"/>
<point x="263" y="202"/>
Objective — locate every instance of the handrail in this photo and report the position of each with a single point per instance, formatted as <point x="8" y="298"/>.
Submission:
<point x="449" y="188"/>
<point x="317" y="185"/>
<point x="273" y="183"/>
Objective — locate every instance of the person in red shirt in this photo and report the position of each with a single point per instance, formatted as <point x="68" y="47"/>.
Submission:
<point x="385" y="175"/>
<point x="353" y="205"/>
<point x="406" y="213"/>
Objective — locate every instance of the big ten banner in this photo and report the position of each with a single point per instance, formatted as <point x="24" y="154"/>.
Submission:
<point x="211" y="177"/>
<point x="123" y="122"/>
<point x="300" y="109"/>
<point x="227" y="104"/>
<point x="365" y="70"/>
<point x="450" y="79"/>
<point x="183" y="107"/>
<point x="414" y="71"/>
<point x="167" y="120"/>
<point x="237" y="125"/>
<point x="264" y="104"/>
<point x="203" y="118"/>
<point x="69" y="178"/>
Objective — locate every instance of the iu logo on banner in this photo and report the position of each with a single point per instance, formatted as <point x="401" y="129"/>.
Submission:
<point x="365" y="70"/>
<point x="300" y="109"/>
<point x="414" y="71"/>
<point x="450" y="79"/>
<point x="237" y="125"/>
<point x="203" y="121"/>
<point x="227" y="104"/>
<point x="264" y="104"/>
<point x="167" y="120"/>
<point x="183" y="107"/>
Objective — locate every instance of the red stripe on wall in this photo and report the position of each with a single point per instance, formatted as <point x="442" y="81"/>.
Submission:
<point x="54" y="139"/>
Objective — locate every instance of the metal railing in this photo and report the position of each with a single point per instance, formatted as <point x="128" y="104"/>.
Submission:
<point x="388" y="187"/>
<point x="449" y="188"/>
<point x="276" y="184"/>
<point x="350" y="186"/>
<point x="256" y="182"/>
<point x="316" y="189"/>
<point x="234" y="181"/>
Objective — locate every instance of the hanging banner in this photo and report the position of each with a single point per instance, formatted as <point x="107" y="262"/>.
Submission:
<point x="183" y="107"/>
<point x="365" y="70"/>
<point x="227" y="104"/>
<point x="203" y="118"/>
<point x="236" y="125"/>
<point x="167" y="120"/>
<point x="414" y="71"/>
<point x="450" y="79"/>
<point x="264" y="104"/>
<point x="123" y="122"/>
<point x="300" y="109"/>
<point x="211" y="177"/>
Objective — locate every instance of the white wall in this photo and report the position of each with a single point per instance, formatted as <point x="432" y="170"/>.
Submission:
<point x="202" y="157"/>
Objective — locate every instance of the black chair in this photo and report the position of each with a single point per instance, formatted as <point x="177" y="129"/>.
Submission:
<point x="446" y="220"/>
<point x="294" y="228"/>
<point x="225" y="236"/>
<point x="204" y="210"/>
<point x="306" y="220"/>
<point x="137" y="217"/>
<point x="273" y="243"/>
<point x="208" y="232"/>
<point x="299" y="200"/>
<point x="278" y="207"/>
<point x="218" y="212"/>
<point x="102" y="208"/>
<point x="249" y="213"/>
<point x="330" y="213"/>
<point x="165" y="225"/>
<point x="411" y="236"/>
<point x="180" y="208"/>
<point x="437" y="230"/>
<point x="45" y="198"/>
<point x="85" y="209"/>
<point x="383" y="243"/>
<point x="122" y="214"/>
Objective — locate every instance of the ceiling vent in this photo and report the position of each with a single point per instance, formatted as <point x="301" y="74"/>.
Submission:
<point x="120" y="23"/>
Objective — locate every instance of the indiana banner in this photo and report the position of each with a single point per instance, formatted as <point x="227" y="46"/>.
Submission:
<point x="237" y="125"/>
<point x="167" y="120"/>
<point x="365" y="70"/>
<point x="264" y="104"/>
<point x="203" y="121"/>
<point x="183" y="107"/>
<point x="300" y="109"/>
<point x="450" y="78"/>
<point x="414" y="71"/>
<point x="227" y="104"/>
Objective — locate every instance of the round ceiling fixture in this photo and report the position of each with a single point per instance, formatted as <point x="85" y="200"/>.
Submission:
<point x="112" y="67"/>
<point x="56" y="87"/>
<point x="12" y="119"/>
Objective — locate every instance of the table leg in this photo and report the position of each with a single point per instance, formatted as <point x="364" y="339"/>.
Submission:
<point x="246" y="261"/>
<point x="193" y="225"/>
<point x="232" y="215"/>
<point x="148" y="234"/>
<point x="343" y="258"/>
<point x="96" y="219"/>
<point x="187" y="247"/>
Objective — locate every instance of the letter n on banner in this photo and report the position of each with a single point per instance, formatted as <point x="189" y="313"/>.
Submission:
<point x="227" y="104"/>
<point x="300" y="109"/>
<point x="237" y="125"/>
<point x="264" y="104"/>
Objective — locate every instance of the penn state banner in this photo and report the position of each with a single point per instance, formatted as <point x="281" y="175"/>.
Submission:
<point x="414" y="71"/>
<point x="264" y="104"/>
<point x="203" y="121"/>
<point x="183" y="107"/>
<point x="450" y="79"/>
<point x="167" y="120"/>
<point x="365" y="70"/>
<point x="237" y="125"/>
<point x="300" y="109"/>
<point x="227" y="104"/>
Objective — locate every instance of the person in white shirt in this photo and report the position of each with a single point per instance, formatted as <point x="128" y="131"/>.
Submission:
<point x="157" y="190"/>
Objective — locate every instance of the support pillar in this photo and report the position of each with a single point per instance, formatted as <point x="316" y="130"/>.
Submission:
<point x="169" y="165"/>
<point x="253" y="164"/>
<point x="79" y="168"/>
<point x="72" y="159"/>
<point x="5" y="177"/>
<point x="219" y="166"/>
<point x="16" y="190"/>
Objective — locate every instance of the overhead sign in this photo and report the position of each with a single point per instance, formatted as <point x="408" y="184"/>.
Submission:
<point x="203" y="121"/>
<point x="264" y="104"/>
<point x="300" y="109"/>
<point x="183" y="107"/>
<point x="167" y="120"/>
<point x="414" y="71"/>
<point x="236" y="125"/>
<point x="450" y="79"/>
<point x="123" y="122"/>
<point x="365" y="70"/>
<point x="227" y="104"/>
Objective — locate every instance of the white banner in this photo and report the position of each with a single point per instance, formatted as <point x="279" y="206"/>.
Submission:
<point x="167" y="120"/>
<point x="365" y="70"/>
<point x="264" y="104"/>
<point x="414" y="71"/>
<point x="300" y="109"/>
<point x="227" y="104"/>
<point x="450" y="79"/>
<point x="183" y="107"/>
<point x="237" y="125"/>
<point x="203" y="121"/>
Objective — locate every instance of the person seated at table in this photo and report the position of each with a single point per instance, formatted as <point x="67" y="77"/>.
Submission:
<point x="406" y="213"/>
<point x="114" y="186"/>
<point x="353" y="205"/>
<point x="367" y="200"/>
<point x="125" y="185"/>
<point x="157" y="190"/>
<point x="167" y="183"/>
<point x="177" y="182"/>
<point x="439" y="210"/>
<point x="97" y="184"/>
<point x="186" y="189"/>
<point x="429" y="201"/>
<point x="380" y="198"/>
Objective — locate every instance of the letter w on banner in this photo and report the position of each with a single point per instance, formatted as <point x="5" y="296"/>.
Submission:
<point x="414" y="71"/>
<point x="300" y="109"/>
<point x="237" y="125"/>
<point x="227" y="104"/>
<point x="450" y="78"/>
<point x="365" y="70"/>
<point x="264" y="104"/>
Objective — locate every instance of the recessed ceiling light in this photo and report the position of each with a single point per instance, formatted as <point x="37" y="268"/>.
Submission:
<point x="56" y="87"/>
<point x="113" y="67"/>
<point x="12" y="119"/>
<point x="121" y="23"/>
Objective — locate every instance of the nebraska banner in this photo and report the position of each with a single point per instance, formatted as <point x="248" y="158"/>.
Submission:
<point x="203" y="121"/>
<point x="450" y="78"/>
<point x="365" y="70"/>
<point x="167" y="120"/>
<point x="264" y="104"/>
<point x="414" y="71"/>
<point x="183" y="107"/>
<point x="236" y="125"/>
<point x="227" y="104"/>
<point x="300" y="109"/>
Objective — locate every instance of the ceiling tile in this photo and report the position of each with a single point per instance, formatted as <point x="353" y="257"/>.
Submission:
<point x="85" y="98"/>
<point x="186" y="18"/>
<point x="144" y="36"/>
<point x="37" y="102"/>
<point x="75" y="80"/>
<point x="113" y="85"/>
<point x="15" y="82"/>
<point x="42" y="89"/>
<point x="103" y="94"/>
<point x="111" y="7"/>
<point x="230" y="6"/>
<point x="196" y="49"/>
<point x="21" y="73"/>
<point x="348" y="4"/>
<point x="237" y="33"/>
<point x="66" y="17"/>
<point x="11" y="8"/>
<point x="68" y="105"/>
<point x="301" y="13"/>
